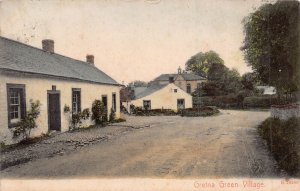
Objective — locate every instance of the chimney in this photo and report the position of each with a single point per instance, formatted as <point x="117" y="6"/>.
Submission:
<point x="90" y="59"/>
<point x="48" y="45"/>
<point x="171" y="79"/>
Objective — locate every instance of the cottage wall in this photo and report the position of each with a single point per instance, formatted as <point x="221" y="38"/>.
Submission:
<point x="36" y="89"/>
<point x="165" y="98"/>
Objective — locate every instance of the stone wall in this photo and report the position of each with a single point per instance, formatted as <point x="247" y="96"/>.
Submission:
<point x="286" y="111"/>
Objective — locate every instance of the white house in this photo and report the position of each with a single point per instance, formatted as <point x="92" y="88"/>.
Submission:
<point x="162" y="96"/>
<point x="55" y="80"/>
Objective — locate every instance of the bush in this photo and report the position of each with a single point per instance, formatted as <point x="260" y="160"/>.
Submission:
<point x="201" y="111"/>
<point x="260" y="101"/>
<point x="77" y="118"/>
<point x="99" y="113"/>
<point x="112" y="115"/>
<point x="283" y="140"/>
<point x="25" y="126"/>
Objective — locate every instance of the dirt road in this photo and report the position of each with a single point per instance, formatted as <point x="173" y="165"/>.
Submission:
<point x="226" y="145"/>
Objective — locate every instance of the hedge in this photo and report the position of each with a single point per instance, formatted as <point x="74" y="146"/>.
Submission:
<point x="282" y="137"/>
<point x="236" y="101"/>
<point x="190" y="112"/>
<point x="261" y="102"/>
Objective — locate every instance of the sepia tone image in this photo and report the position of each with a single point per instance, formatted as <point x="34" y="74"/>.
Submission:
<point x="149" y="95"/>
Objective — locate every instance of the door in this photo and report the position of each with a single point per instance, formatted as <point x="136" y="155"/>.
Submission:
<point x="180" y="104"/>
<point x="54" y="111"/>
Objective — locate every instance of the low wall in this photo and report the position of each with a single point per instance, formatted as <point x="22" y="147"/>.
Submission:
<point x="285" y="112"/>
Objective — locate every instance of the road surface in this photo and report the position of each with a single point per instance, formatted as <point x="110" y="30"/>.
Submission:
<point x="226" y="145"/>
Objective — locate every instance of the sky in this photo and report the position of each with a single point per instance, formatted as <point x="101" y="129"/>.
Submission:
<point x="132" y="39"/>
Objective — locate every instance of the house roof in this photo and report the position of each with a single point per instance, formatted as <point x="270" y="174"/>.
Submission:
<point x="185" y="76"/>
<point x="151" y="89"/>
<point x="19" y="57"/>
<point x="138" y="90"/>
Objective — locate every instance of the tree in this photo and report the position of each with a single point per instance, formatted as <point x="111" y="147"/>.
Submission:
<point x="248" y="81"/>
<point x="271" y="44"/>
<point x="201" y="62"/>
<point x="126" y="94"/>
<point x="138" y="83"/>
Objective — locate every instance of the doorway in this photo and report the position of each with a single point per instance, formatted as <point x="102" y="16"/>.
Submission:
<point x="54" y="115"/>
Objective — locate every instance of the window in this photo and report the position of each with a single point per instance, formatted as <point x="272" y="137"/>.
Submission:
<point x="16" y="103"/>
<point x="76" y="100"/>
<point x="175" y="90"/>
<point x="147" y="104"/>
<point x="188" y="88"/>
<point x="104" y="100"/>
<point x="114" y="107"/>
<point x="180" y="104"/>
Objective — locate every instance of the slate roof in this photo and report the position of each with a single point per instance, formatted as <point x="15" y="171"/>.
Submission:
<point x="19" y="57"/>
<point x="151" y="89"/>
<point x="186" y="76"/>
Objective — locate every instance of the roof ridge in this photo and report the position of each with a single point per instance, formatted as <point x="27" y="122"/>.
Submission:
<point x="60" y="60"/>
<point x="40" y="49"/>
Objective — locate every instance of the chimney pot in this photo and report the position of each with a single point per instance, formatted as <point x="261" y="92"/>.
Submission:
<point x="90" y="59"/>
<point x="48" y="45"/>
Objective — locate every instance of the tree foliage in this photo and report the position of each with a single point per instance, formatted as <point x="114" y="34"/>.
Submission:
<point x="201" y="62"/>
<point x="249" y="81"/>
<point x="126" y="94"/>
<point x="25" y="126"/>
<point x="137" y="83"/>
<point x="271" y="44"/>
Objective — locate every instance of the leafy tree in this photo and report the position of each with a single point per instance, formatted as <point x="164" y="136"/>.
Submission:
<point x="126" y="94"/>
<point x="201" y="62"/>
<point x="137" y="83"/>
<point x="221" y="81"/>
<point x="271" y="44"/>
<point x="248" y="81"/>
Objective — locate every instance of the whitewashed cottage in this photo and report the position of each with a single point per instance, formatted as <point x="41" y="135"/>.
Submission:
<point x="55" y="80"/>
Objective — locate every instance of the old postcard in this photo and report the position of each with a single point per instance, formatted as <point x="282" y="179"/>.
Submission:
<point x="149" y="95"/>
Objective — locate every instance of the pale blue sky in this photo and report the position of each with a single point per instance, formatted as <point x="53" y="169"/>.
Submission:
<point x="132" y="39"/>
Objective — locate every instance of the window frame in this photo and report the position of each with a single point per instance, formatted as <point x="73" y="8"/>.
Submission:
<point x="183" y="103"/>
<point x="149" y="104"/>
<point x="21" y="106"/>
<point x="78" y="101"/>
<point x="188" y="88"/>
<point x="114" y="102"/>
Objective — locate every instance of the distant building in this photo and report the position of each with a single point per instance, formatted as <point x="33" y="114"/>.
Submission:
<point x="163" y="96"/>
<point x="267" y="90"/>
<point x="56" y="81"/>
<point x="186" y="81"/>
